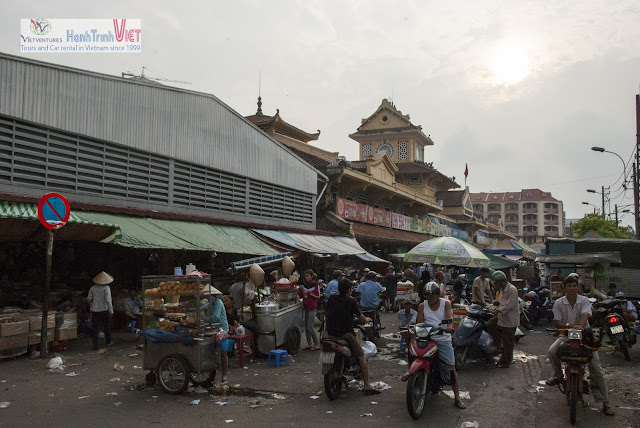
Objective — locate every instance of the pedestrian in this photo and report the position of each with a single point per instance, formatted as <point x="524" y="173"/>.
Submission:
<point x="508" y="314"/>
<point x="216" y="313"/>
<point x="440" y="281"/>
<point x="572" y="312"/>
<point x="392" y="289"/>
<point x="332" y="287"/>
<point x="481" y="287"/>
<point x="310" y="293"/>
<point x="101" y="307"/>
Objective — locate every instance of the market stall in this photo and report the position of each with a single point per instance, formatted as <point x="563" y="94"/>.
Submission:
<point x="179" y="347"/>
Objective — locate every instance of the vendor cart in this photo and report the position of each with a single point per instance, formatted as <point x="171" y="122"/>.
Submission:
<point x="194" y="355"/>
<point x="279" y="323"/>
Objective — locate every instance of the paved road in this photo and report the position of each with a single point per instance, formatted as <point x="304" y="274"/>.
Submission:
<point x="498" y="397"/>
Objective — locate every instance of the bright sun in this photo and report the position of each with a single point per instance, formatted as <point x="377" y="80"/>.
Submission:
<point x="509" y="64"/>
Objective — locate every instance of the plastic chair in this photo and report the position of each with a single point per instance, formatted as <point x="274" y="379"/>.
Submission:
<point x="275" y="357"/>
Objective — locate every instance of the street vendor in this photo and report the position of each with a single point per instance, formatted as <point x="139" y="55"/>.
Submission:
<point x="217" y="314"/>
<point x="242" y="291"/>
<point x="132" y="310"/>
<point x="101" y="307"/>
<point x="310" y="294"/>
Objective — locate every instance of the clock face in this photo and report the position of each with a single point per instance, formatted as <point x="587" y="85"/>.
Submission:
<point x="385" y="147"/>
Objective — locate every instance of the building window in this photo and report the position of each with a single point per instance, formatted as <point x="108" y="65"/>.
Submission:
<point x="551" y="229"/>
<point x="478" y="207"/>
<point x="366" y="150"/>
<point x="494" y="218"/>
<point x="551" y="217"/>
<point x="530" y="228"/>
<point x="413" y="180"/>
<point x="513" y="229"/>
<point x="530" y="205"/>
<point x="530" y="217"/>
<point x="512" y="206"/>
<point x="512" y="217"/>
<point x="403" y="150"/>
<point x="551" y="206"/>
<point x="399" y="179"/>
<point x="494" y="207"/>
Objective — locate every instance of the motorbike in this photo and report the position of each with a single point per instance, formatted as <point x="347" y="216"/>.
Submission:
<point x="471" y="339"/>
<point x="426" y="372"/>
<point x="608" y="318"/>
<point x="526" y="320"/>
<point x="462" y="290"/>
<point x="538" y="300"/>
<point x="371" y="330"/>
<point x="575" y="355"/>
<point x="338" y="364"/>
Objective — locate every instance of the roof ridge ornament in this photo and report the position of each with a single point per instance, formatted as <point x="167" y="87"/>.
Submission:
<point x="259" y="105"/>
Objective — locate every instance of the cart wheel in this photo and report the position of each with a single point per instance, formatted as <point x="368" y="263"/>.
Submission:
<point x="203" y="379"/>
<point x="150" y="378"/>
<point x="173" y="374"/>
<point x="292" y="341"/>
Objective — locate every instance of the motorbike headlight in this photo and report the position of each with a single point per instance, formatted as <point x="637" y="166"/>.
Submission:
<point x="422" y="331"/>
<point x="575" y="334"/>
<point x="469" y="322"/>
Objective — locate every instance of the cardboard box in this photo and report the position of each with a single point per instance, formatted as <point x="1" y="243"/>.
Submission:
<point x="66" y="334"/>
<point x="36" y="321"/>
<point x="14" y="328"/>
<point x="15" y="341"/>
<point x="34" y="336"/>
<point x="61" y="317"/>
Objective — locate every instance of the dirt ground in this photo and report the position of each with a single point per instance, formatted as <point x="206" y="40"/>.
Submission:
<point x="90" y="392"/>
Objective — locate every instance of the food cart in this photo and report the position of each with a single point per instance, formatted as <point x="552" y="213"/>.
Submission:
<point x="193" y="354"/>
<point x="279" y="320"/>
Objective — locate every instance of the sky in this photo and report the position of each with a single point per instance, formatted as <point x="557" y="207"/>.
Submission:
<point x="517" y="90"/>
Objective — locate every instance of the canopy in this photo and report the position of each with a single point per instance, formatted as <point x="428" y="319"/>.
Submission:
<point x="19" y="222"/>
<point x="447" y="251"/>
<point x="264" y="260"/>
<point x="509" y="247"/>
<point x="501" y="262"/>
<point x="141" y="232"/>
<point x="320" y="244"/>
<point x="581" y="258"/>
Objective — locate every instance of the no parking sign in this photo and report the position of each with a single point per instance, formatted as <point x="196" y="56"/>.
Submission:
<point x="53" y="210"/>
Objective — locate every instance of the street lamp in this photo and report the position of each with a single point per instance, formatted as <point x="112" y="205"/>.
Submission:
<point x="604" y="193"/>
<point x="594" y="207"/>
<point x="624" y="165"/>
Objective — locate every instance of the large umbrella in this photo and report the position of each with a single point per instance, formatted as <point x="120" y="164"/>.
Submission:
<point x="447" y="251"/>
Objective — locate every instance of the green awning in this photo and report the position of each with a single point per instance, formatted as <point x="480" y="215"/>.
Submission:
<point x="141" y="232"/>
<point x="19" y="222"/>
<point x="500" y="262"/>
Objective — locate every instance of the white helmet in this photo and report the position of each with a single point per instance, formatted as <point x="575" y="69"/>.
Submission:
<point x="431" y="289"/>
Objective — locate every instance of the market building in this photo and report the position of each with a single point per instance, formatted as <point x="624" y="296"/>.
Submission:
<point x="532" y="215"/>
<point x="156" y="177"/>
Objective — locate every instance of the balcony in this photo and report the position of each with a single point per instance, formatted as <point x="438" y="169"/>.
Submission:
<point x="529" y="233"/>
<point x="530" y="210"/>
<point x="511" y="210"/>
<point x="530" y="222"/>
<point x="511" y="220"/>
<point x="551" y="234"/>
<point x="551" y="222"/>
<point x="551" y="210"/>
<point x="494" y="209"/>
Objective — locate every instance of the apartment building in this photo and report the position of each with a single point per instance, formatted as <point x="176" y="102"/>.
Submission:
<point x="532" y="215"/>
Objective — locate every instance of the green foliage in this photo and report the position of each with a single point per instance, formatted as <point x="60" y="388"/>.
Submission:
<point x="606" y="228"/>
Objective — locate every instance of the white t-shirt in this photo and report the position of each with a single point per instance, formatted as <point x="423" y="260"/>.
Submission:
<point x="563" y="312"/>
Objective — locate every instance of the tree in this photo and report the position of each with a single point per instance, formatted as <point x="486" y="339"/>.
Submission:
<point x="606" y="228"/>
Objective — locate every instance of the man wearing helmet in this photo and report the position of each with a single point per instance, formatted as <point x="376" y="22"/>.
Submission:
<point x="508" y="316"/>
<point x="436" y="310"/>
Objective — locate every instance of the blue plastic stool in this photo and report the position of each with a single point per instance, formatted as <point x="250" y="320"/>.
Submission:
<point x="275" y="357"/>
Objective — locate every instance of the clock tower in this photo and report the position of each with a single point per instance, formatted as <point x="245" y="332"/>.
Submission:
<point x="388" y="130"/>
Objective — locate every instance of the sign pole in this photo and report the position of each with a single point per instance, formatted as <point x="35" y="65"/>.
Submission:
<point x="45" y="296"/>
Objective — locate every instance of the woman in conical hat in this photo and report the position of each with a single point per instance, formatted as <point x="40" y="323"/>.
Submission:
<point x="101" y="307"/>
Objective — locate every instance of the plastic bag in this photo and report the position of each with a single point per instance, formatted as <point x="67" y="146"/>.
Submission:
<point x="369" y="349"/>
<point x="486" y="343"/>
<point x="54" y="363"/>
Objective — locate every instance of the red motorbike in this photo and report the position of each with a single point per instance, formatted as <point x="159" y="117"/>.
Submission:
<point x="575" y="355"/>
<point x="426" y="372"/>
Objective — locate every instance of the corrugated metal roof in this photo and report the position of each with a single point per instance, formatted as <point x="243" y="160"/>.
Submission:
<point x="174" y="122"/>
<point x="317" y="244"/>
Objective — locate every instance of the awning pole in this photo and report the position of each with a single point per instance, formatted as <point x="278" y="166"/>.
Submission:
<point x="45" y="298"/>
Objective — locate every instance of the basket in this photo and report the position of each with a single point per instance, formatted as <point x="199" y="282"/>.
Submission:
<point x="578" y="355"/>
<point x="226" y="345"/>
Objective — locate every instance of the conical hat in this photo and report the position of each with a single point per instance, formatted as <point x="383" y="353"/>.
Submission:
<point x="211" y="290"/>
<point x="103" y="278"/>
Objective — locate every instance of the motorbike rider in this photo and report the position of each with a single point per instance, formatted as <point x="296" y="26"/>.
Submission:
<point x="573" y="311"/>
<point x="332" y="287"/>
<point x="341" y="309"/>
<point x="481" y="288"/>
<point x="433" y="311"/>
<point x="369" y="290"/>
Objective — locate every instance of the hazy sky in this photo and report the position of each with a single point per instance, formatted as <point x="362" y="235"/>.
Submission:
<point x="518" y="90"/>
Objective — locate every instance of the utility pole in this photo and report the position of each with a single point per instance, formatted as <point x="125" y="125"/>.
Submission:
<point x="636" y="179"/>
<point x="603" y="215"/>
<point x="616" y="215"/>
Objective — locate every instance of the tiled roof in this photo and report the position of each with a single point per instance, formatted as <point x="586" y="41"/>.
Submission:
<point x="523" y="195"/>
<point x="537" y="195"/>
<point x="412" y="168"/>
<point x="363" y="230"/>
<point x="451" y="198"/>
<point x="312" y="160"/>
<point x="264" y="122"/>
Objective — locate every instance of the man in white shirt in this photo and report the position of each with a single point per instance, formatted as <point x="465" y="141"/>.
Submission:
<point x="572" y="312"/>
<point x="242" y="291"/>
<point x="481" y="287"/>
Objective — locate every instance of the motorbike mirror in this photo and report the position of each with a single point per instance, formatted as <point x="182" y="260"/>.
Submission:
<point x="525" y="289"/>
<point x="592" y="299"/>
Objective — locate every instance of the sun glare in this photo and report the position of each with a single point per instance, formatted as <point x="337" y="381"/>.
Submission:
<point x="509" y="64"/>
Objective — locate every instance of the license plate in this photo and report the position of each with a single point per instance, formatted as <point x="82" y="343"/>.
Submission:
<point x="617" y="329"/>
<point x="369" y="324"/>
<point x="327" y="357"/>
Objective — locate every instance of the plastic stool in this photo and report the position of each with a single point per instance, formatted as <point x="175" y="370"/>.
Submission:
<point x="275" y="357"/>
